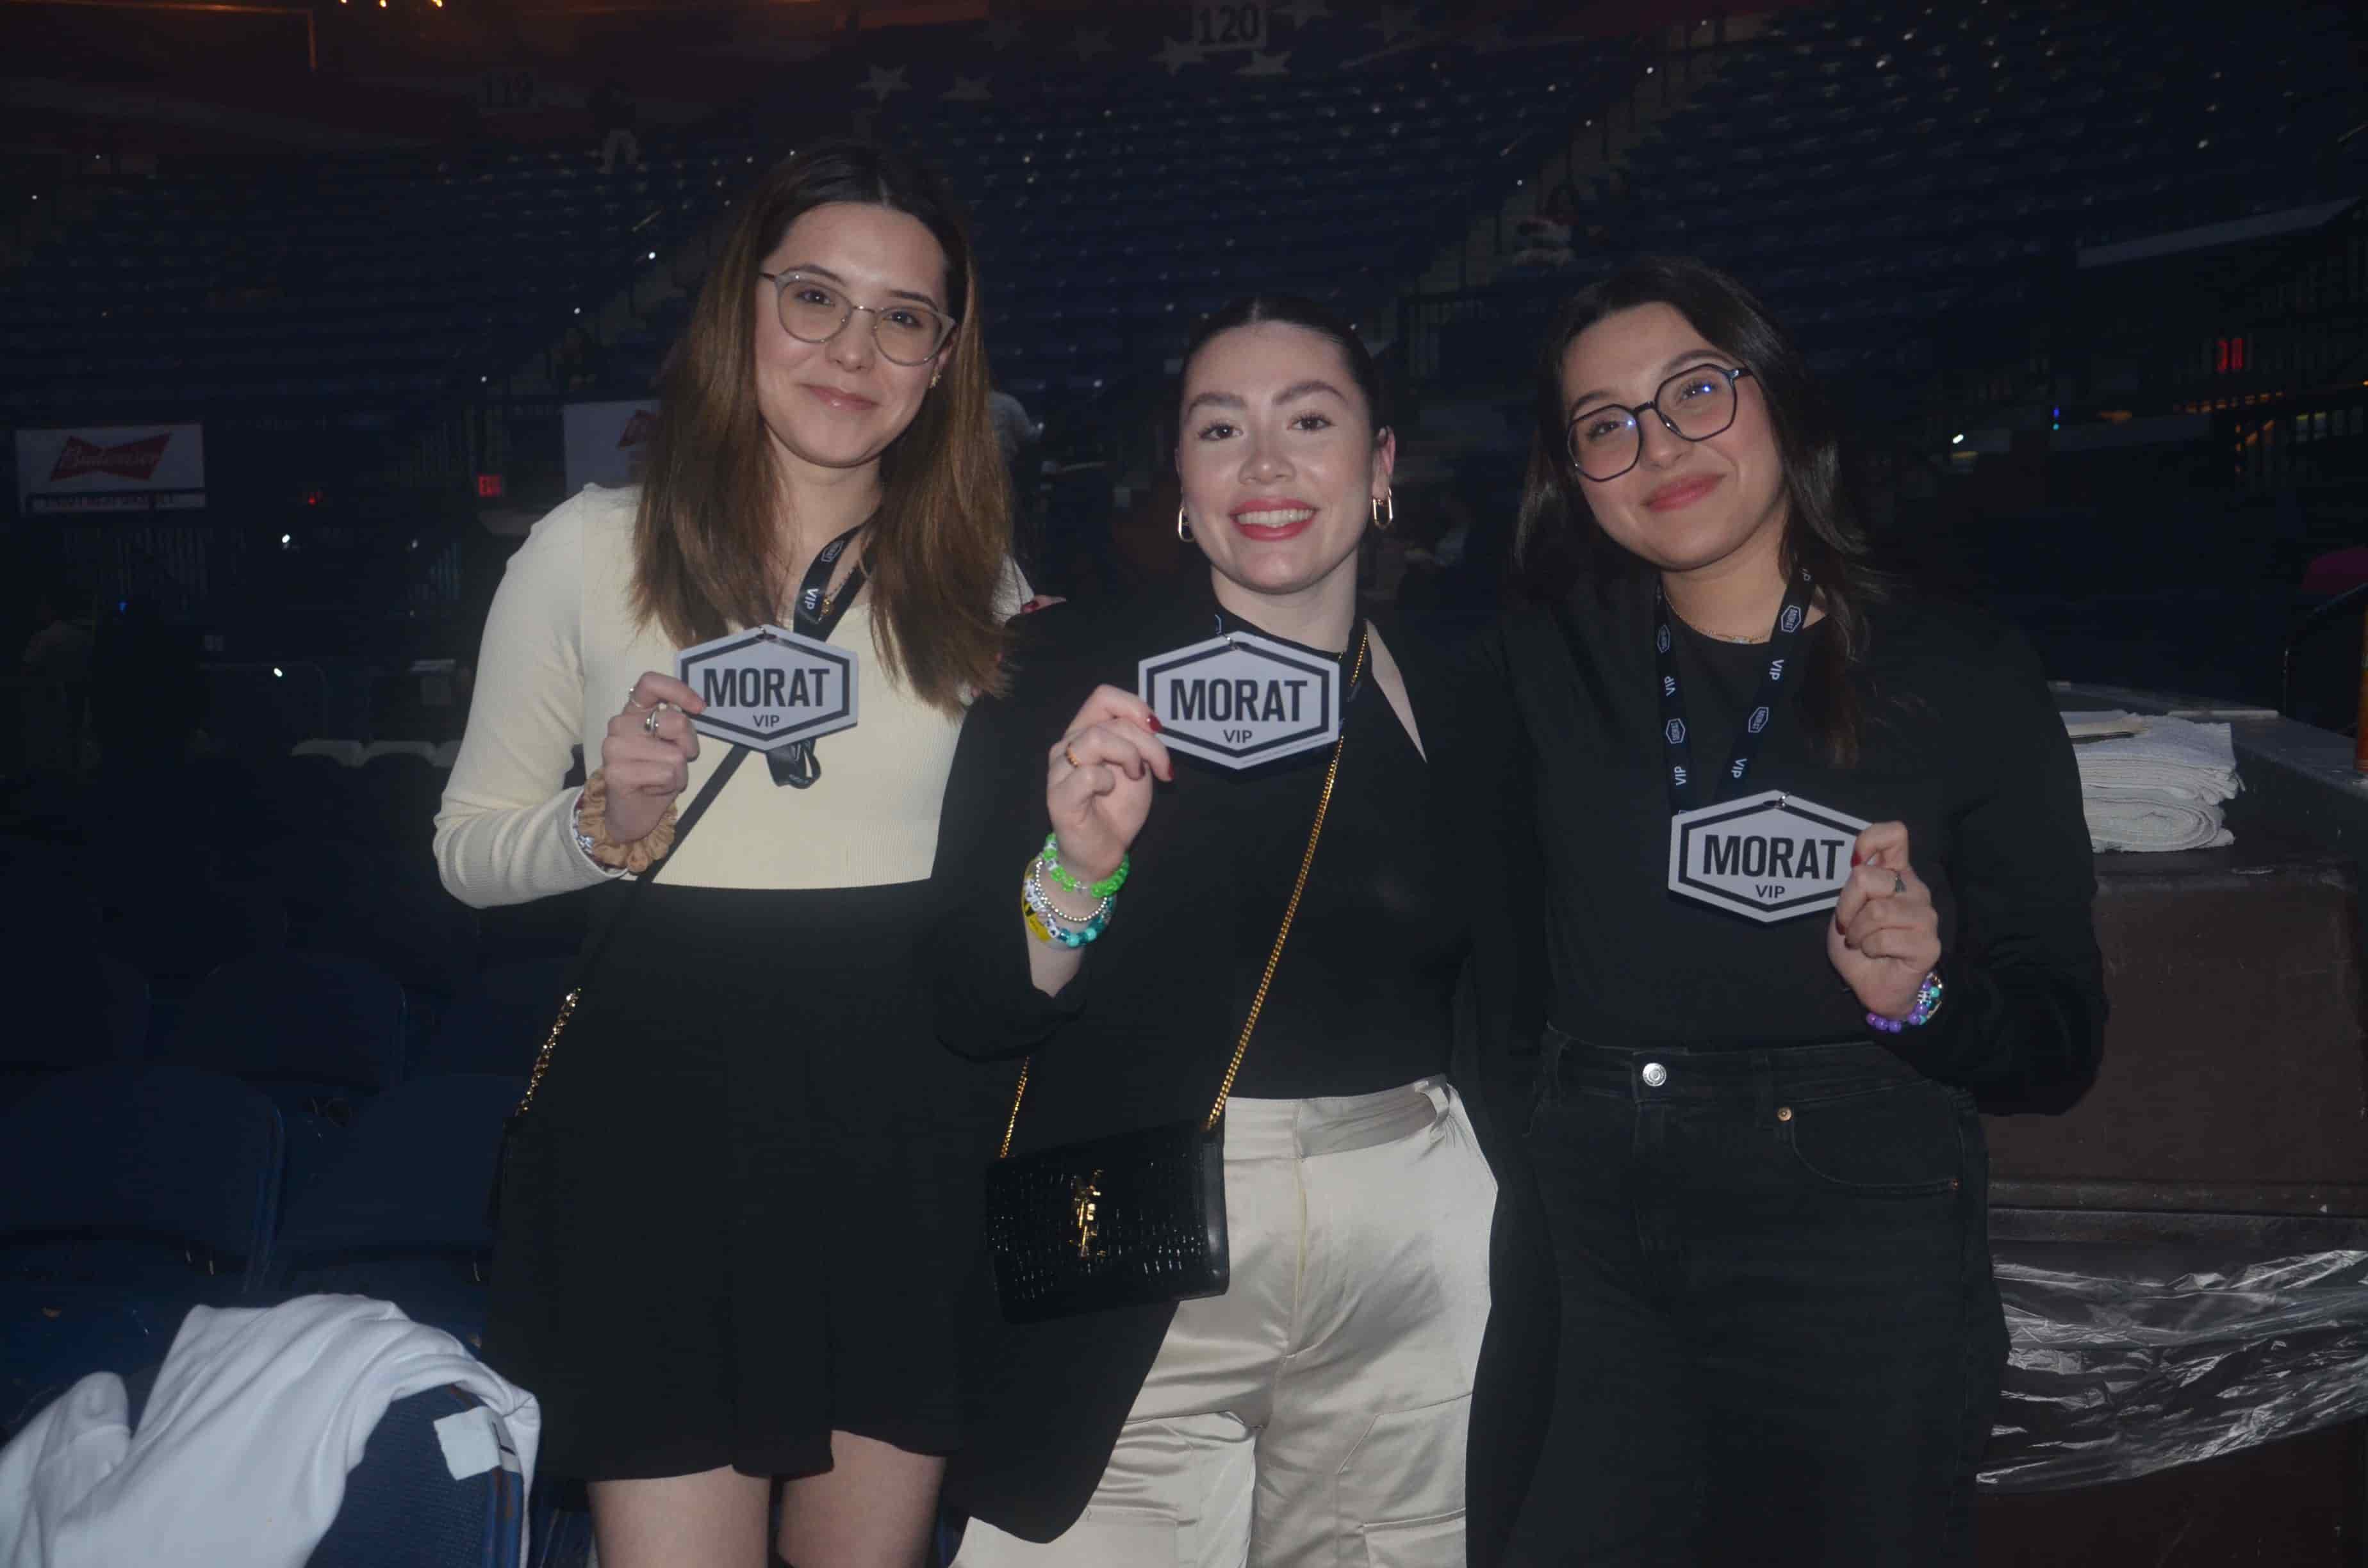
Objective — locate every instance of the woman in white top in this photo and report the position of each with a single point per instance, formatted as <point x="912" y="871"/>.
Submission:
<point x="729" y="1220"/>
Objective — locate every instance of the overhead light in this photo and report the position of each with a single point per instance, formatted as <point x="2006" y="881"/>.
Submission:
<point x="285" y="539"/>
<point x="1958" y="439"/>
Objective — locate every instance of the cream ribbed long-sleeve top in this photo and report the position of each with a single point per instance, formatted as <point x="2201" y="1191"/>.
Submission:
<point x="562" y="649"/>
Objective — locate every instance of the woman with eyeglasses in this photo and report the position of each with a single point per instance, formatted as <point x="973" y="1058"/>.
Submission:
<point x="1819" y="886"/>
<point x="1246" y="926"/>
<point x="733" y="1214"/>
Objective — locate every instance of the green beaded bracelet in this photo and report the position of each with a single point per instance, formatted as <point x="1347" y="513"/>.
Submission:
<point x="1106" y="888"/>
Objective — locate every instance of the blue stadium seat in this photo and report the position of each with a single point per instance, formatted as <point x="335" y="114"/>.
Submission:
<point x="498" y="1025"/>
<point x="402" y="1214"/>
<point x="127" y="1194"/>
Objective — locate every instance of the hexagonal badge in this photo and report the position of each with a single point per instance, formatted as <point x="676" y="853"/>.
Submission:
<point x="1769" y="857"/>
<point x="1242" y="700"/>
<point x="767" y="687"/>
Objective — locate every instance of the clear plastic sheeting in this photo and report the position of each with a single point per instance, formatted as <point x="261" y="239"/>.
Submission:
<point x="2128" y="1359"/>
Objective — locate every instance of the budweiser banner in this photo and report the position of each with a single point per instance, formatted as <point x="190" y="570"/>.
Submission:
<point x="603" y="442"/>
<point x="123" y="468"/>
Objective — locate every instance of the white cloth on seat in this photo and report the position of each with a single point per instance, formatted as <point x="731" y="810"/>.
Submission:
<point x="241" y="1453"/>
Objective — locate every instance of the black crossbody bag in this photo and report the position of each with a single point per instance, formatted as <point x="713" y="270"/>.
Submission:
<point x="1135" y="1219"/>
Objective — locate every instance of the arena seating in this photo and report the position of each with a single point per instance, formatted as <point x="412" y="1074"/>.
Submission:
<point x="1109" y="222"/>
<point x="386" y="279"/>
<point x="134" y="1192"/>
<point x="1898" y="178"/>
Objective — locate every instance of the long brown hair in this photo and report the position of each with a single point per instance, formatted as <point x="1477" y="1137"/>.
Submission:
<point x="1557" y="543"/>
<point x="707" y="555"/>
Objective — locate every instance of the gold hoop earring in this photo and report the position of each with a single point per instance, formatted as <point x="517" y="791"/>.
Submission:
<point x="1183" y="528"/>
<point x="1384" y="521"/>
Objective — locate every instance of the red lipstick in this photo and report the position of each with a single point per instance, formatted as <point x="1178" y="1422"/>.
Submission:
<point x="1272" y="517"/>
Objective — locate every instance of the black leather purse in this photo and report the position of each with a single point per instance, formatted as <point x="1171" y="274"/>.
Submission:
<point x="1137" y="1217"/>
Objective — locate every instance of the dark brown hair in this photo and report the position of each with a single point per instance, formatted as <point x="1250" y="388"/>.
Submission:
<point x="1558" y="544"/>
<point x="707" y="554"/>
<point x="1293" y="309"/>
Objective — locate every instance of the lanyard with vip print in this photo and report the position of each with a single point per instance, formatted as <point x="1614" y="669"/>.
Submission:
<point x="816" y="614"/>
<point x="1677" y="771"/>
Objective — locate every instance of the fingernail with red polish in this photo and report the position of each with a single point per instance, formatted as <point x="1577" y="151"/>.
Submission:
<point x="1154" y="722"/>
<point x="1856" y="858"/>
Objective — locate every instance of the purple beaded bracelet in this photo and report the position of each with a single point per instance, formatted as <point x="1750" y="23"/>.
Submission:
<point x="1928" y="1002"/>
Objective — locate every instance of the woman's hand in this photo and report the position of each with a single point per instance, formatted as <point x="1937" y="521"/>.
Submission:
<point x="1098" y="780"/>
<point x="647" y="764"/>
<point x="1887" y="936"/>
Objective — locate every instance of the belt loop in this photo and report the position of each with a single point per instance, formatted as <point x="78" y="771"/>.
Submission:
<point x="1763" y="1089"/>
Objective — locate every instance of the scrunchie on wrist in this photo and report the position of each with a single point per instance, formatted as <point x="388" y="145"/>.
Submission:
<point x="592" y="821"/>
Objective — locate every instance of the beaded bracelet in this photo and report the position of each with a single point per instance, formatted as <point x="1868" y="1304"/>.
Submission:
<point x="1062" y="877"/>
<point x="1049" y="923"/>
<point x="1928" y="1002"/>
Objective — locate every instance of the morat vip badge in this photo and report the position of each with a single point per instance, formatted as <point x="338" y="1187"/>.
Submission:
<point x="1770" y="856"/>
<point x="1242" y="700"/>
<point x="766" y="687"/>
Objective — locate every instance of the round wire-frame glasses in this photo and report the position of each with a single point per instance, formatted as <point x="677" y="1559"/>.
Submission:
<point x="1607" y="440"/>
<point x="816" y="310"/>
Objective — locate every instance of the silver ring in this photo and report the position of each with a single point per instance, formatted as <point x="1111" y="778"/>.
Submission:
<point x="633" y="697"/>
<point x="1899" y="883"/>
<point x="650" y="724"/>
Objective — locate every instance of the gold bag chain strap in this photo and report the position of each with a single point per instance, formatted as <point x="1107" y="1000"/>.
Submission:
<point x="698" y="807"/>
<point x="1266" y="981"/>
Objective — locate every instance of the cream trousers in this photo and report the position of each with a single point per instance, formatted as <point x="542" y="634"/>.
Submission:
<point x="1316" y="1413"/>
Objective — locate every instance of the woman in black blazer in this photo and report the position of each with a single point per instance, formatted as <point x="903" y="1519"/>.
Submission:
<point x="1323" y="1398"/>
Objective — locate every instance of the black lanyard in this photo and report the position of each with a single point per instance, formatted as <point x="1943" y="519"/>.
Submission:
<point x="814" y="615"/>
<point x="1677" y="749"/>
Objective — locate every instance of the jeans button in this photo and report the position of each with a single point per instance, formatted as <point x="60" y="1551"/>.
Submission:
<point x="1655" y="1074"/>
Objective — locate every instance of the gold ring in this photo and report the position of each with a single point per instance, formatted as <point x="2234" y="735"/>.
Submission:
<point x="1072" y="757"/>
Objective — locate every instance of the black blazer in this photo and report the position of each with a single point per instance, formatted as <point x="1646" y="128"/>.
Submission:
<point x="1043" y="1403"/>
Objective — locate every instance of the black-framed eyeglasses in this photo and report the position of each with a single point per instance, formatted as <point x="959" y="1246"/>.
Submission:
<point x="816" y="310"/>
<point x="1696" y="404"/>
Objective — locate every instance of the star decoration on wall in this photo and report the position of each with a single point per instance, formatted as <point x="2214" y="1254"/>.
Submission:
<point x="1091" y="41"/>
<point x="1001" y="35"/>
<point x="1302" y="12"/>
<point x="882" y="83"/>
<point x="1264" y="64"/>
<point x="1177" y="53"/>
<point x="968" y="90"/>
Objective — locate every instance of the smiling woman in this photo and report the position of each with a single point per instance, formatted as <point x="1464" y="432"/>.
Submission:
<point x="728" y="1225"/>
<point x="1273" y="930"/>
<point x="1819" y="889"/>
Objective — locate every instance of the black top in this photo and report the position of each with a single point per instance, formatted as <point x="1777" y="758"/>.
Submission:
<point x="1962" y="743"/>
<point x="1365" y="997"/>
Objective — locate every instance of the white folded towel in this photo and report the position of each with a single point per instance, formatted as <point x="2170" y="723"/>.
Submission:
<point x="2151" y="820"/>
<point x="2174" y="754"/>
<point x="2160" y="789"/>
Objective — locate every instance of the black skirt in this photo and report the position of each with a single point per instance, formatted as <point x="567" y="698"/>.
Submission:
<point x="737" y="1215"/>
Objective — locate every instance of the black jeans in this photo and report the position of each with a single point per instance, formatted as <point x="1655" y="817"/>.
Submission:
<point x="1780" y="1342"/>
